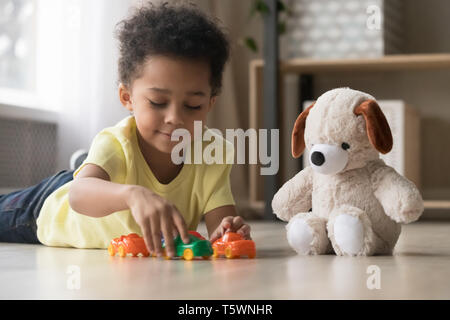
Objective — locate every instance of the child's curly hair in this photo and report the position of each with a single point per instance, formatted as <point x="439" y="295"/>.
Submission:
<point x="179" y="31"/>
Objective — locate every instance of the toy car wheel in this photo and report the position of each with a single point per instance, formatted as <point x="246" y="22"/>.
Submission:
<point x="111" y="250"/>
<point x="215" y="254"/>
<point x="206" y="257"/>
<point x="188" y="254"/>
<point x="122" y="251"/>
<point x="164" y="254"/>
<point x="229" y="253"/>
<point x="145" y="254"/>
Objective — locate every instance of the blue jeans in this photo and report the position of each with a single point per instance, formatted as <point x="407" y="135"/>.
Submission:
<point x="20" y="209"/>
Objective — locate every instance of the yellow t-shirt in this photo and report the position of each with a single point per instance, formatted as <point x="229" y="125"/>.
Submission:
<point x="197" y="189"/>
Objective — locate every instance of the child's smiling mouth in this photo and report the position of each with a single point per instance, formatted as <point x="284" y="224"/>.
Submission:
<point x="164" y="133"/>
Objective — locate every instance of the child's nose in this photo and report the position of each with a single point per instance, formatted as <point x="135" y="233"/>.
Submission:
<point x="173" y="115"/>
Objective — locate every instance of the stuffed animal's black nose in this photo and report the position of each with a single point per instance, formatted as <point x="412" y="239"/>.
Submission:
<point x="317" y="158"/>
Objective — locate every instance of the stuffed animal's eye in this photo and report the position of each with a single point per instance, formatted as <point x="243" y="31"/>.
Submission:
<point x="345" y="146"/>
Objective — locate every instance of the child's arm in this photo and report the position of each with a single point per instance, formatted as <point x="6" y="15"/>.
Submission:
<point x="92" y="194"/>
<point x="224" y="218"/>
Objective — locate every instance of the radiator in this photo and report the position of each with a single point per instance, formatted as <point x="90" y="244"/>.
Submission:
<point x="27" y="152"/>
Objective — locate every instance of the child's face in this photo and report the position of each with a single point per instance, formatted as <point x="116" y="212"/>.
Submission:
<point x="170" y="94"/>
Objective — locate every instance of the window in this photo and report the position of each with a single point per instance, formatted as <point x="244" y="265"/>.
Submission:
<point x="17" y="51"/>
<point x="17" y="48"/>
<point x="39" y="51"/>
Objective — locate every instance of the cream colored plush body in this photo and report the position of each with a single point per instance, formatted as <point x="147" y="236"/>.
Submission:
<point x="357" y="201"/>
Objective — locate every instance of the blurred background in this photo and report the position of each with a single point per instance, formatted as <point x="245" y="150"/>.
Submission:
<point x="58" y="80"/>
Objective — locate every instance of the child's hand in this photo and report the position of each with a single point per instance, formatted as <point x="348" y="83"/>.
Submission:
<point x="234" y="224"/>
<point x="155" y="215"/>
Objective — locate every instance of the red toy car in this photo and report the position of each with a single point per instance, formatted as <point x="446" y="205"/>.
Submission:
<point x="198" y="235"/>
<point x="233" y="245"/>
<point x="131" y="243"/>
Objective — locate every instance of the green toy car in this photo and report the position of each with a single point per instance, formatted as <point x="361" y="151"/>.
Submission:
<point x="197" y="247"/>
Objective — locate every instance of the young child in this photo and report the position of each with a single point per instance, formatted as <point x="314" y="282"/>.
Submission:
<point x="170" y="73"/>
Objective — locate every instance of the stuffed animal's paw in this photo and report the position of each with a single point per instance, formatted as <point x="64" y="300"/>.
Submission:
<point x="409" y="215"/>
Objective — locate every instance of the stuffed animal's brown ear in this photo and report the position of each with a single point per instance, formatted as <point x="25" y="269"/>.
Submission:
<point x="377" y="127"/>
<point x="298" y="139"/>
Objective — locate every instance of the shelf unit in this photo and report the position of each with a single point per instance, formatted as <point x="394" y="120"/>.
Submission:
<point x="407" y="62"/>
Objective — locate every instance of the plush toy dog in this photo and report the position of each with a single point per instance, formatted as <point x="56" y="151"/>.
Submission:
<point x="348" y="200"/>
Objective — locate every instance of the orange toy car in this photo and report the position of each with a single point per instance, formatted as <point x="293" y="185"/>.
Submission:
<point x="131" y="243"/>
<point x="233" y="245"/>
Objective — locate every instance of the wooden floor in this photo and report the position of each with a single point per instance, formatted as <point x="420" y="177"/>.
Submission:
<point x="419" y="269"/>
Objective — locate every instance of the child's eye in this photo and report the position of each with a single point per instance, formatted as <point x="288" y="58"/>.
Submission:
<point x="158" y="105"/>
<point x="161" y="105"/>
<point x="193" y="107"/>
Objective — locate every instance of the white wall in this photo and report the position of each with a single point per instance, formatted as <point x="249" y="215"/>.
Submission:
<point x="427" y="30"/>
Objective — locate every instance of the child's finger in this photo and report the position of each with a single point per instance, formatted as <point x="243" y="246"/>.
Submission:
<point x="156" y="234"/>
<point x="227" y="223"/>
<point x="220" y="231"/>
<point x="174" y="231"/>
<point x="147" y="233"/>
<point x="238" y="222"/>
<point x="181" y="227"/>
<point x="245" y="231"/>
<point x="166" y="224"/>
<point x="214" y="236"/>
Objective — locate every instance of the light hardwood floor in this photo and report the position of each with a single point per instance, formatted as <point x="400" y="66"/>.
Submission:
<point x="419" y="269"/>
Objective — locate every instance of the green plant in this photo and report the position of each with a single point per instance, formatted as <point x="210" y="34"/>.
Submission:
<point x="260" y="8"/>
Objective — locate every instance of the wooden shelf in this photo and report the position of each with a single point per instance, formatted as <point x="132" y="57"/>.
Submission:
<point x="436" y="204"/>
<point x="428" y="204"/>
<point x="391" y="62"/>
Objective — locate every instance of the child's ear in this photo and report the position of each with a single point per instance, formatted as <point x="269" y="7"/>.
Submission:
<point x="212" y="102"/>
<point x="125" y="97"/>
